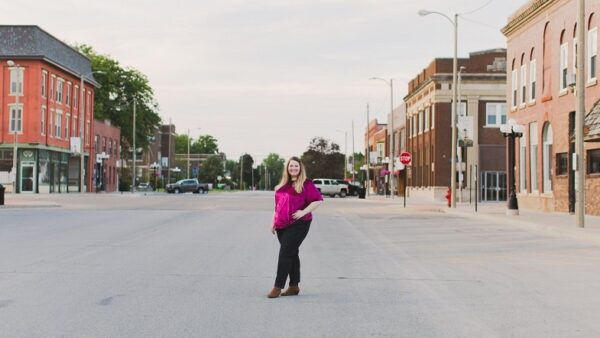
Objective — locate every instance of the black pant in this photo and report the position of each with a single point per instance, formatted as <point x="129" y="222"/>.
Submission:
<point x="290" y="239"/>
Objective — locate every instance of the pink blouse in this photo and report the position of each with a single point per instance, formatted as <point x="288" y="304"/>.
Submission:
<point x="288" y="201"/>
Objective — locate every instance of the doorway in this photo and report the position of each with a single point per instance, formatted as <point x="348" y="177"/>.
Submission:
<point x="493" y="186"/>
<point x="27" y="177"/>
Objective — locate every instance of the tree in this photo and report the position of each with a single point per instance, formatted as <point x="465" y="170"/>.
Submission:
<point x="113" y="100"/>
<point x="211" y="169"/>
<point x="205" y="144"/>
<point x="273" y="164"/>
<point x="323" y="159"/>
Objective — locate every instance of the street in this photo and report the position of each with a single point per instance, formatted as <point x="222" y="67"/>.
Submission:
<point x="136" y="265"/>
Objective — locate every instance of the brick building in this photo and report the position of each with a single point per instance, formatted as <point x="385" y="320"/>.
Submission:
<point x="481" y="111"/>
<point x="108" y="154"/>
<point x="542" y="47"/>
<point x="376" y="139"/>
<point x="46" y="122"/>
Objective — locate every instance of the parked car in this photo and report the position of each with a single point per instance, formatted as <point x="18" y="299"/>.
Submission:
<point x="187" y="185"/>
<point x="331" y="187"/>
<point x="353" y="187"/>
<point x="144" y="186"/>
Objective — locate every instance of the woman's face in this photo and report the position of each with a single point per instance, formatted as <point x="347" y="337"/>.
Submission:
<point x="294" y="168"/>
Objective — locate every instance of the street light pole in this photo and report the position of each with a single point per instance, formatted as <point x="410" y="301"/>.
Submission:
<point x="580" y="119"/>
<point x="134" y="152"/>
<point x="353" y="154"/>
<point x="511" y="130"/>
<point x="81" y="128"/>
<point x="368" y="156"/>
<point x="392" y="140"/>
<point x="460" y="149"/>
<point x="188" y="153"/>
<point x="454" y="93"/>
<point x="12" y="66"/>
<point x="345" y="151"/>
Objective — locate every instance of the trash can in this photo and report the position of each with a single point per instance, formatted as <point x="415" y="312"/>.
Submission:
<point x="2" y="194"/>
<point x="362" y="192"/>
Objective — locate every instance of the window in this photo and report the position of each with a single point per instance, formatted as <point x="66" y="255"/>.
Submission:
<point x="51" y="93"/>
<point x="592" y="48"/>
<point x="58" y="124"/>
<point x="575" y="46"/>
<point x="547" y="137"/>
<point x="593" y="160"/>
<point x="532" y="78"/>
<point x="74" y="129"/>
<point x="420" y="121"/>
<point x="533" y="147"/>
<point x="68" y="94"/>
<point x="16" y="118"/>
<point x="564" y="58"/>
<point x="76" y="97"/>
<point x="432" y="116"/>
<point x="87" y="133"/>
<point x="59" y="90"/>
<point x="44" y="83"/>
<point x="67" y="124"/>
<point x="495" y="114"/>
<point x="427" y="111"/>
<point x="461" y="109"/>
<point x="43" y="121"/>
<point x="522" y="164"/>
<point x="16" y="81"/>
<point x="414" y="125"/>
<point x="562" y="164"/>
<point x="514" y="88"/>
<point x="523" y="84"/>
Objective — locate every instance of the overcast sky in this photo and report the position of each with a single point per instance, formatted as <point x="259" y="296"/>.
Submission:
<point x="268" y="75"/>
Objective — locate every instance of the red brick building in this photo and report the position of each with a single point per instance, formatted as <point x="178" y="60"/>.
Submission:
<point x="45" y="79"/>
<point x="542" y="47"/>
<point x="107" y="160"/>
<point x="376" y="139"/>
<point x="482" y="109"/>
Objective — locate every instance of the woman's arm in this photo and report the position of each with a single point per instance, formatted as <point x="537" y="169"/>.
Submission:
<point x="310" y="208"/>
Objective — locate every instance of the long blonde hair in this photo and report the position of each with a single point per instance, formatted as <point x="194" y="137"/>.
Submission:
<point x="286" y="178"/>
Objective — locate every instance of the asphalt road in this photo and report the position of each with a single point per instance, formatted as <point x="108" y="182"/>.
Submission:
<point x="200" y="266"/>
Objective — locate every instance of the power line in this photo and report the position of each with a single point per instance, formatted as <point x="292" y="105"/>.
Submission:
<point x="477" y="9"/>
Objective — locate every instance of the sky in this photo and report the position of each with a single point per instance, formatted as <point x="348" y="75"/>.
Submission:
<point x="266" y="76"/>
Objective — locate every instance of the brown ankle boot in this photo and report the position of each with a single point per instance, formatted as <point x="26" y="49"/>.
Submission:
<point x="274" y="293"/>
<point x="291" y="291"/>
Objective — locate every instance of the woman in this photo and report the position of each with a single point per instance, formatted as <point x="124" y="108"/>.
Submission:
<point x="295" y="199"/>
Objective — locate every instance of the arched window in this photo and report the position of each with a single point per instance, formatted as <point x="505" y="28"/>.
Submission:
<point x="592" y="48"/>
<point x="523" y="80"/>
<point x="532" y="76"/>
<point x="547" y="157"/>
<point x="546" y="62"/>
<point x="563" y="62"/>
<point x="514" y="84"/>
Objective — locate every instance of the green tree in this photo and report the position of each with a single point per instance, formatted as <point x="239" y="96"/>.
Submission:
<point x="323" y="159"/>
<point x="273" y="164"/>
<point x="113" y="100"/>
<point x="205" y="144"/>
<point x="211" y="169"/>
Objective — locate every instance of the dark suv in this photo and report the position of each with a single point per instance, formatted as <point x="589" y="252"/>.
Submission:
<point x="352" y="187"/>
<point x="188" y="185"/>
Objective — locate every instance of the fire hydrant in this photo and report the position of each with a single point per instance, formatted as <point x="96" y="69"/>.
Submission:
<point x="449" y="196"/>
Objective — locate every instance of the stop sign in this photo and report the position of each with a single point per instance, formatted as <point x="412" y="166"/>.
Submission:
<point x="405" y="157"/>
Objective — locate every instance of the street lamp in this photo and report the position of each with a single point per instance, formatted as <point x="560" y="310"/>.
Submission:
<point x="454" y="23"/>
<point x="345" y="150"/>
<point x="392" y="150"/>
<point x="19" y="87"/>
<point x="81" y="126"/>
<point x="464" y="136"/>
<point x="512" y="130"/>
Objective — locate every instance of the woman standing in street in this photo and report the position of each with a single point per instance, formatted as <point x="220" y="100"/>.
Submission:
<point x="295" y="198"/>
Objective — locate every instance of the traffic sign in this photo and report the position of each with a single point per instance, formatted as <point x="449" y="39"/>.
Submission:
<point x="405" y="158"/>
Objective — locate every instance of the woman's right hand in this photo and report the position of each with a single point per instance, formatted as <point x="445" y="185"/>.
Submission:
<point x="273" y="229"/>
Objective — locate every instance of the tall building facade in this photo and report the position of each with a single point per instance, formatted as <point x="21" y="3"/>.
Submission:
<point x="542" y="48"/>
<point x="481" y="110"/>
<point x="43" y="111"/>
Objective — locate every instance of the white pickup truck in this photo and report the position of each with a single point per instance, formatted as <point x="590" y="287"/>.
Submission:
<point x="331" y="187"/>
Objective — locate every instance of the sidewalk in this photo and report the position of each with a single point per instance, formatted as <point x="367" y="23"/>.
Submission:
<point x="27" y="201"/>
<point x="557" y="224"/>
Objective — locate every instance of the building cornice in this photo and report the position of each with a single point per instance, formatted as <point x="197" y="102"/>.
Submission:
<point x="525" y="15"/>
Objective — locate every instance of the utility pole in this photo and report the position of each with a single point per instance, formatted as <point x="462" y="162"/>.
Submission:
<point x="169" y="154"/>
<point x="134" y="153"/>
<point x="241" y="172"/>
<point x="368" y="157"/>
<point x="353" y="155"/>
<point x="580" y="119"/>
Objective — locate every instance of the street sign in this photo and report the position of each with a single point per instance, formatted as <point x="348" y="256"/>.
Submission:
<point x="405" y="158"/>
